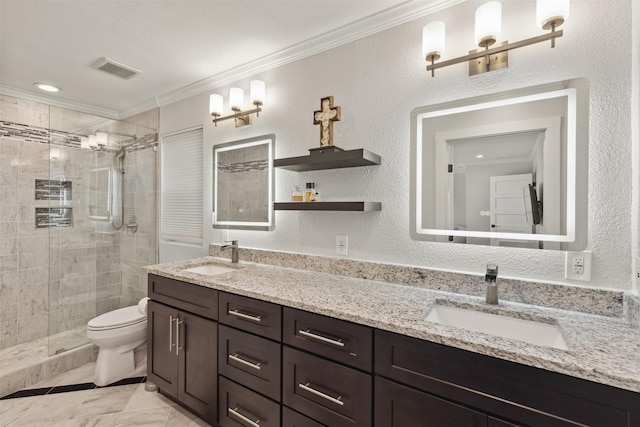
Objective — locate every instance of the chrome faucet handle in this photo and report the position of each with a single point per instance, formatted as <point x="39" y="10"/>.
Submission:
<point x="234" y="250"/>
<point x="490" y="278"/>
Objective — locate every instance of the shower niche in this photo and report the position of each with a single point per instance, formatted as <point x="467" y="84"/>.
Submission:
<point x="54" y="217"/>
<point x="57" y="191"/>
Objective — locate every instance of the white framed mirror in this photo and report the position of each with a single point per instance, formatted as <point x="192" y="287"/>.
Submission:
<point x="507" y="169"/>
<point x="243" y="184"/>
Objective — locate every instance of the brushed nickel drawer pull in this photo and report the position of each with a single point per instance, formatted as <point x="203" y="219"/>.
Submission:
<point x="170" y="334"/>
<point x="236" y="358"/>
<point x="178" y="348"/>
<point x="252" y="423"/>
<point x="307" y="333"/>
<point x="310" y="389"/>
<point x="245" y="316"/>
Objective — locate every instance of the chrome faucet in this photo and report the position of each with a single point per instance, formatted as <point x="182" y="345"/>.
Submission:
<point x="490" y="278"/>
<point x="234" y="250"/>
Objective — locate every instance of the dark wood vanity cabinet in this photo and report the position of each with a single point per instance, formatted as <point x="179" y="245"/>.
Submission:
<point x="181" y="345"/>
<point x="448" y="383"/>
<point x="239" y="361"/>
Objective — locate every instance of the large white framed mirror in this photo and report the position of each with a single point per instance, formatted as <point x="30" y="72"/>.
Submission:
<point x="507" y="169"/>
<point x="243" y="184"/>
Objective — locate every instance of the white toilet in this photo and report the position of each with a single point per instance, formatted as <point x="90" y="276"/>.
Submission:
<point x="121" y="336"/>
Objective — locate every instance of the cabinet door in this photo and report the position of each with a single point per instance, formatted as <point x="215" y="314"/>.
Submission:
<point x="162" y="362"/>
<point x="198" y="338"/>
<point x="400" y="406"/>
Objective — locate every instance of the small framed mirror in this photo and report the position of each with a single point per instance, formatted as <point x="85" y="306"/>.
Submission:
<point x="243" y="184"/>
<point x="507" y="169"/>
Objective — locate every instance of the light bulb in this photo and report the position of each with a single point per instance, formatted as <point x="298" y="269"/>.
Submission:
<point x="101" y="138"/>
<point x="550" y="12"/>
<point x="433" y="40"/>
<point x="236" y="98"/>
<point x="488" y="23"/>
<point x="93" y="141"/>
<point x="257" y="92"/>
<point x="215" y="104"/>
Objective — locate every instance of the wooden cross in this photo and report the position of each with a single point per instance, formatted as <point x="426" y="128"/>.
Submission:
<point x="325" y="116"/>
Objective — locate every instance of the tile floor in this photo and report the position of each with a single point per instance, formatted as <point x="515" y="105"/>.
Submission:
<point x="126" y="405"/>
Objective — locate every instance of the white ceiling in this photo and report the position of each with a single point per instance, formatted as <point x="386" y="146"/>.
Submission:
<point x="182" y="47"/>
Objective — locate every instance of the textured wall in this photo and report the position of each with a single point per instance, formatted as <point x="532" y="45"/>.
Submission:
<point x="378" y="80"/>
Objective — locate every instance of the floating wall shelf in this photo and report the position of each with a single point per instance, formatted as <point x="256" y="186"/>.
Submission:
<point x="328" y="158"/>
<point x="328" y="206"/>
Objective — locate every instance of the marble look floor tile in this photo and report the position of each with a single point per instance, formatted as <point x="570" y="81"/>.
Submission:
<point x="13" y="409"/>
<point x="49" y="408"/>
<point x="142" y="399"/>
<point x="180" y="417"/>
<point x="145" y="418"/>
<point x="104" y="401"/>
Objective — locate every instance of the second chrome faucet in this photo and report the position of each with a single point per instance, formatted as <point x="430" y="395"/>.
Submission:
<point x="490" y="278"/>
<point x="234" y="250"/>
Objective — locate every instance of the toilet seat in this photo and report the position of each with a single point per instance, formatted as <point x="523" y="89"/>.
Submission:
<point x="115" y="319"/>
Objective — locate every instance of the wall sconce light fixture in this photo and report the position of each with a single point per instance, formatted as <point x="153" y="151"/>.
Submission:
<point x="550" y="14"/>
<point x="236" y="103"/>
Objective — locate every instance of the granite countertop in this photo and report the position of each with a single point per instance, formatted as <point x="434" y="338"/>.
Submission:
<point x="601" y="349"/>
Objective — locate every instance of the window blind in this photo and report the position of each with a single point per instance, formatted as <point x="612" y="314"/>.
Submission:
<point x="182" y="187"/>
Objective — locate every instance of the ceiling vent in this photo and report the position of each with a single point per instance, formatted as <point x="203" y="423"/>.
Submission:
<point x="115" y="68"/>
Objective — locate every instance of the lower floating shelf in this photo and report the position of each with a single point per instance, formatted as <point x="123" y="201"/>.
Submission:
<point x="328" y="206"/>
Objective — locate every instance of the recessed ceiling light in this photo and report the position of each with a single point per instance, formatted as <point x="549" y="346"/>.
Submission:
<point x="480" y="156"/>
<point x="47" y="87"/>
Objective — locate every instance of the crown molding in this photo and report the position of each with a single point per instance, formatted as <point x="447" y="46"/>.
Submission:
<point x="392" y="17"/>
<point x="62" y="103"/>
<point x="381" y="21"/>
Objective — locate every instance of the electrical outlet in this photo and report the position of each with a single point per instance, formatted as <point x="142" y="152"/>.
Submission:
<point x="342" y="245"/>
<point x="578" y="266"/>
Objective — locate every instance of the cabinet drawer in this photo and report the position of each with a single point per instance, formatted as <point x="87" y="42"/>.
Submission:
<point x="329" y="393"/>
<point x="400" y="406"/>
<point x="252" y="315"/>
<point x="186" y="296"/>
<point x="335" y="339"/>
<point x="239" y="406"/>
<point x="291" y="418"/>
<point x="522" y="394"/>
<point x="250" y="360"/>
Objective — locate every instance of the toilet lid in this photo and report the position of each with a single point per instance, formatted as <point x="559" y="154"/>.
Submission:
<point x="117" y="318"/>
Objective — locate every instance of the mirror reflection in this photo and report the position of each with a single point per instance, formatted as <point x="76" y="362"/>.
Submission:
<point x="243" y="184"/>
<point x="502" y="169"/>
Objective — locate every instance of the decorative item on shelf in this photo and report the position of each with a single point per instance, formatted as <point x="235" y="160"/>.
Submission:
<point x="311" y="193"/>
<point x="297" y="195"/>
<point x="236" y="103"/>
<point x="550" y="14"/>
<point x="325" y="116"/>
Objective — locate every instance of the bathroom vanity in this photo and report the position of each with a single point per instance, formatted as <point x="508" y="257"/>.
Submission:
<point x="260" y="345"/>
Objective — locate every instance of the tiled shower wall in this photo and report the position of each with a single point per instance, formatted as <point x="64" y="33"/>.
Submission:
<point x="55" y="280"/>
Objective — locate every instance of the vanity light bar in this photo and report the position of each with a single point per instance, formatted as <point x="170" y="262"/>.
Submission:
<point x="550" y="14"/>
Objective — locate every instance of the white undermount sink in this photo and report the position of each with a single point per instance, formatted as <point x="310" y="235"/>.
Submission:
<point x="530" y="331"/>
<point x="210" y="269"/>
